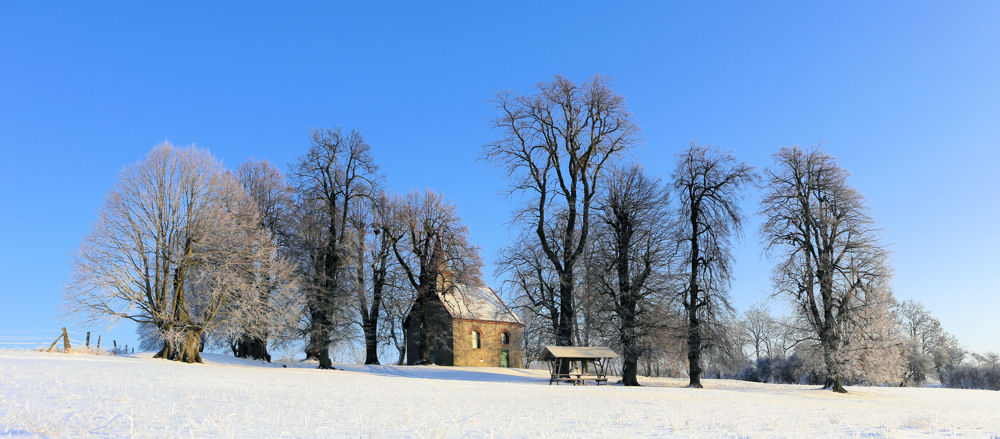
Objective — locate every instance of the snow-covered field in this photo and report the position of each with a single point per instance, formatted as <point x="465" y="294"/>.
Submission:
<point x="58" y="395"/>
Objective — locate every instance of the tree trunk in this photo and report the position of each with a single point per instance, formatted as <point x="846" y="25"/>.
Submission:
<point x="630" y="368"/>
<point x="694" y="350"/>
<point x="832" y="368"/>
<point x="836" y="387"/>
<point x="255" y="348"/>
<point x="371" y="341"/>
<point x="423" y="331"/>
<point x="564" y="333"/>
<point x="318" y="347"/>
<point x="694" y="325"/>
<point x="185" y="349"/>
<point x="629" y="337"/>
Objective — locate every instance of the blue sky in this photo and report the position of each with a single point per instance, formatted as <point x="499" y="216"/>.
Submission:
<point x="906" y="95"/>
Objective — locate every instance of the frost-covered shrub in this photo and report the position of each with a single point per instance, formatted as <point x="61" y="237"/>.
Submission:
<point x="984" y="374"/>
<point x="795" y="369"/>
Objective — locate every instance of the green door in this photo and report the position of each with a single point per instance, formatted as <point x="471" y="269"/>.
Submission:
<point x="504" y="358"/>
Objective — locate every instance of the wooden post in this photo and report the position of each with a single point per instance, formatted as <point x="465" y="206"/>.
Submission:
<point x="88" y="339"/>
<point x="98" y="341"/>
<point x="53" y="345"/>
<point x="65" y="340"/>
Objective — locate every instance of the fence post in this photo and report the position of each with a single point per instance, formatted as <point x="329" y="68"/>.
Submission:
<point x="53" y="345"/>
<point x="88" y="339"/>
<point x="65" y="340"/>
<point x="98" y="341"/>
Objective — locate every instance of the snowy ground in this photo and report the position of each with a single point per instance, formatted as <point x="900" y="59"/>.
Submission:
<point x="58" y="395"/>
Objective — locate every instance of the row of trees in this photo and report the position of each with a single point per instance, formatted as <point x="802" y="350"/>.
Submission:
<point x="252" y="260"/>
<point x="602" y="240"/>
<point x="605" y="254"/>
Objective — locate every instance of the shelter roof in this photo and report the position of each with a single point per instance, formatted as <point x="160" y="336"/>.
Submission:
<point x="577" y="352"/>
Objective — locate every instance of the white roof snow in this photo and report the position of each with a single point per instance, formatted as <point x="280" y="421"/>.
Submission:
<point x="477" y="303"/>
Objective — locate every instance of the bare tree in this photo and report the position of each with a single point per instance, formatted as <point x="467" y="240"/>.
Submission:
<point x="709" y="183"/>
<point x="373" y="264"/>
<point x="664" y="343"/>
<point x="428" y="239"/>
<point x="397" y="300"/>
<point x="334" y="176"/>
<point x="767" y="336"/>
<point x="535" y="285"/>
<point x="722" y="353"/>
<point x="635" y="255"/>
<point x="595" y="323"/>
<point x="537" y="332"/>
<point x="833" y="264"/>
<point x="178" y="246"/>
<point x="555" y="145"/>
<point x="757" y="329"/>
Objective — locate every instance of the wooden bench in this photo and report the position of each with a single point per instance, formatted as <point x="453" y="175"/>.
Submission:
<point x="577" y="378"/>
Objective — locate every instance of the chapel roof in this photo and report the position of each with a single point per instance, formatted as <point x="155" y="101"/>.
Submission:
<point x="476" y="303"/>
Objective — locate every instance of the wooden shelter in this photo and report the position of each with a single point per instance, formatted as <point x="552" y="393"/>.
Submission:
<point x="569" y="363"/>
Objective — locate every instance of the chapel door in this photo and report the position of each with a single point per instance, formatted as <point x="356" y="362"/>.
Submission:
<point x="504" y="358"/>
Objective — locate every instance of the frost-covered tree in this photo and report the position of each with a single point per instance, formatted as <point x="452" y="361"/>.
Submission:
<point x="948" y="358"/>
<point x="177" y="247"/>
<point x="872" y="343"/>
<point x="271" y="195"/>
<point x="709" y="184"/>
<point x="832" y="262"/>
<point x="924" y="339"/>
